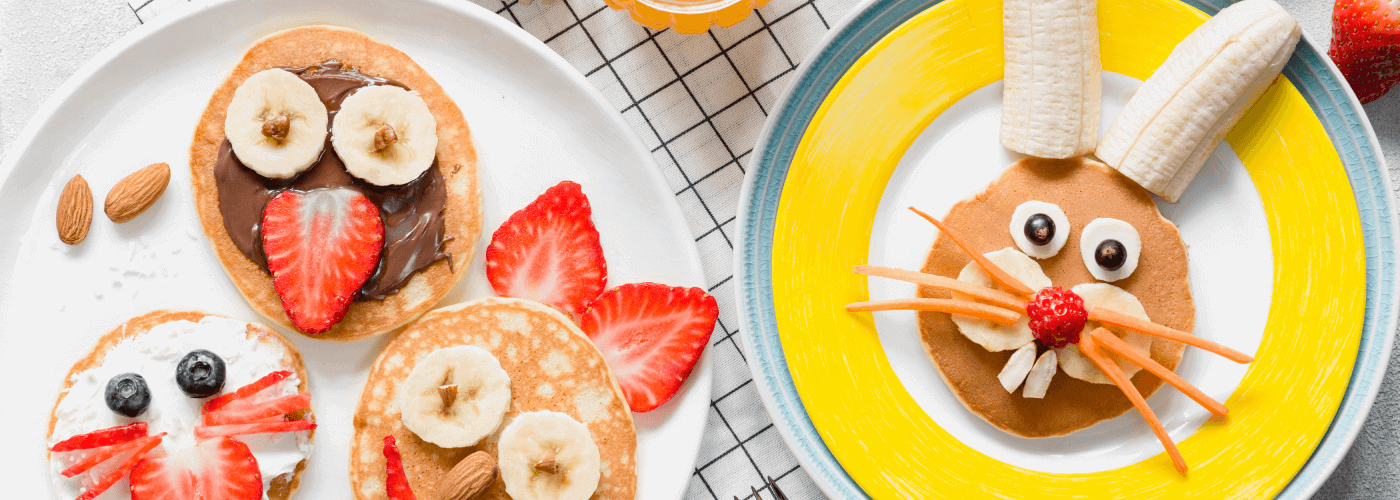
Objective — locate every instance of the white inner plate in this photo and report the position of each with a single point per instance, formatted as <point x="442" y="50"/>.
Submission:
<point x="1221" y="218"/>
<point x="535" y="122"/>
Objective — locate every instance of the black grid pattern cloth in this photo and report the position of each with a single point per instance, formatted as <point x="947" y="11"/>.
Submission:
<point x="698" y="102"/>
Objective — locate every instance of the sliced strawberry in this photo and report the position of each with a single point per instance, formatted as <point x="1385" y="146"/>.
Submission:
<point x="212" y="431"/>
<point x="217" y="469"/>
<point x="651" y="336"/>
<point x="104" y="437"/>
<point x="549" y="252"/>
<point x="242" y="414"/>
<point x="116" y="475"/>
<point x="246" y="391"/>
<point x="397" y="484"/>
<point x="1366" y="45"/>
<point x="321" y="245"/>
<point x="103" y="455"/>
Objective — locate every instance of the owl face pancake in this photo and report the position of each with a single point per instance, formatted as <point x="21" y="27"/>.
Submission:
<point x="383" y="308"/>
<point x="1085" y="190"/>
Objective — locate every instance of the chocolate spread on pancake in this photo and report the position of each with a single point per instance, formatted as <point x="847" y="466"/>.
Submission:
<point x="412" y="212"/>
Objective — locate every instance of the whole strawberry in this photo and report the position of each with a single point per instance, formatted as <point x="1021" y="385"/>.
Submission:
<point x="1057" y="316"/>
<point x="1366" y="45"/>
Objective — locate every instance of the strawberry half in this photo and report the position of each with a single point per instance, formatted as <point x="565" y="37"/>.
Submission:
<point x="217" y="469"/>
<point x="397" y="481"/>
<point x="651" y="336"/>
<point x="549" y="252"/>
<point x="322" y="245"/>
<point x="1366" y="45"/>
<point x="246" y="392"/>
<point x="105" y="437"/>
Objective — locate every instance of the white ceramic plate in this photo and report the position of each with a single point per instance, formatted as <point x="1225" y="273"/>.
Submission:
<point x="535" y="121"/>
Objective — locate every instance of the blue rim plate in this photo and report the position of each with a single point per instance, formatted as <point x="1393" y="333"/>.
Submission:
<point x="1316" y="78"/>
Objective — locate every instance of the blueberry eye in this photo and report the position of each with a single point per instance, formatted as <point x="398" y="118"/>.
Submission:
<point x="1111" y="255"/>
<point x="200" y="374"/>
<point x="127" y="394"/>
<point x="1110" y="248"/>
<point x="1039" y="229"/>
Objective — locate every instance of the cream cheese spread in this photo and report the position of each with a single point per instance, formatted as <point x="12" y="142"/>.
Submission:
<point x="154" y="356"/>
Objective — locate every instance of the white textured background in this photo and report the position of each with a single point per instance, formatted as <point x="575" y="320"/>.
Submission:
<point x="42" y="42"/>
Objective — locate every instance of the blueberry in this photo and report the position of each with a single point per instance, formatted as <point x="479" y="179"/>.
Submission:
<point x="1040" y="229"/>
<point x="1111" y="255"/>
<point x="200" y="374"/>
<point x="128" y="394"/>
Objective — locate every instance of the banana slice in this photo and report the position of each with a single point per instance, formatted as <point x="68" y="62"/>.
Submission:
<point x="276" y="124"/>
<point x="991" y="336"/>
<point x="1074" y="362"/>
<point x="1053" y="77"/>
<point x="386" y="135"/>
<point x="1038" y="380"/>
<point x="547" y="455"/>
<point x="1174" y="121"/>
<point x="1017" y="367"/>
<point x="455" y="396"/>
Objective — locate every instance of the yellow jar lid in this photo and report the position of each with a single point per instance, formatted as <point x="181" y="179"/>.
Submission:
<point x="687" y="17"/>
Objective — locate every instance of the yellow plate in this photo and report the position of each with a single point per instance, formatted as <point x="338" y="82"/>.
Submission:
<point x="885" y="442"/>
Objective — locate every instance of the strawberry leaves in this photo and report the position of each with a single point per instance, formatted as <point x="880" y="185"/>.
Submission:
<point x="651" y="336"/>
<point x="549" y="252"/>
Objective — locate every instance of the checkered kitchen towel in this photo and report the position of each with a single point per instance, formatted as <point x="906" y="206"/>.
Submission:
<point x="698" y="102"/>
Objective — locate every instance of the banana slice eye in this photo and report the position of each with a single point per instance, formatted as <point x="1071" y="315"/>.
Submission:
<point x="276" y="124"/>
<point x="1039" y="229"/>
<point x="1110" y="248"/>
<point x="455" y="396"/>
<point x="545" y="455"/>
<point x="386" y="135"/>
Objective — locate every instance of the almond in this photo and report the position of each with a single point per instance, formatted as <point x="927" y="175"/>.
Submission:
<point x="137" y="192"/>
<point x="469" y="478"/>
<point x="74" y="211"/>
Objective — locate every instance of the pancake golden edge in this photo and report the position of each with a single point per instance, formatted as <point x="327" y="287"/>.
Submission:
<point x="281" y="487"/>
<point x="1085" y="190"/>
<point x="456" y="160"/>
<point x="552" y="366"/>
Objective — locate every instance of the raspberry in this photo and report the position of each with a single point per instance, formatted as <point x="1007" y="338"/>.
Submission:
<point x="1057" y="316"/>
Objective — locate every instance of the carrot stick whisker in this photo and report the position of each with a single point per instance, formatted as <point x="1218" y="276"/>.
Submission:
<point x="997" y="297"/>
<point x="1091" y="349"/>
<point x="1121" y="320"/>
<point x="1109" y="341"/>
<point x="951" y="306"/>
<point x="997" y="273"/>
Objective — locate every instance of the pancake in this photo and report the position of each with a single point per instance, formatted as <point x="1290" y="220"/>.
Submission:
<point x="552" y="366"/>
<point x="456" y="160"/>
<point x="280" y="487"/>
<point x="1085" y="190"/>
